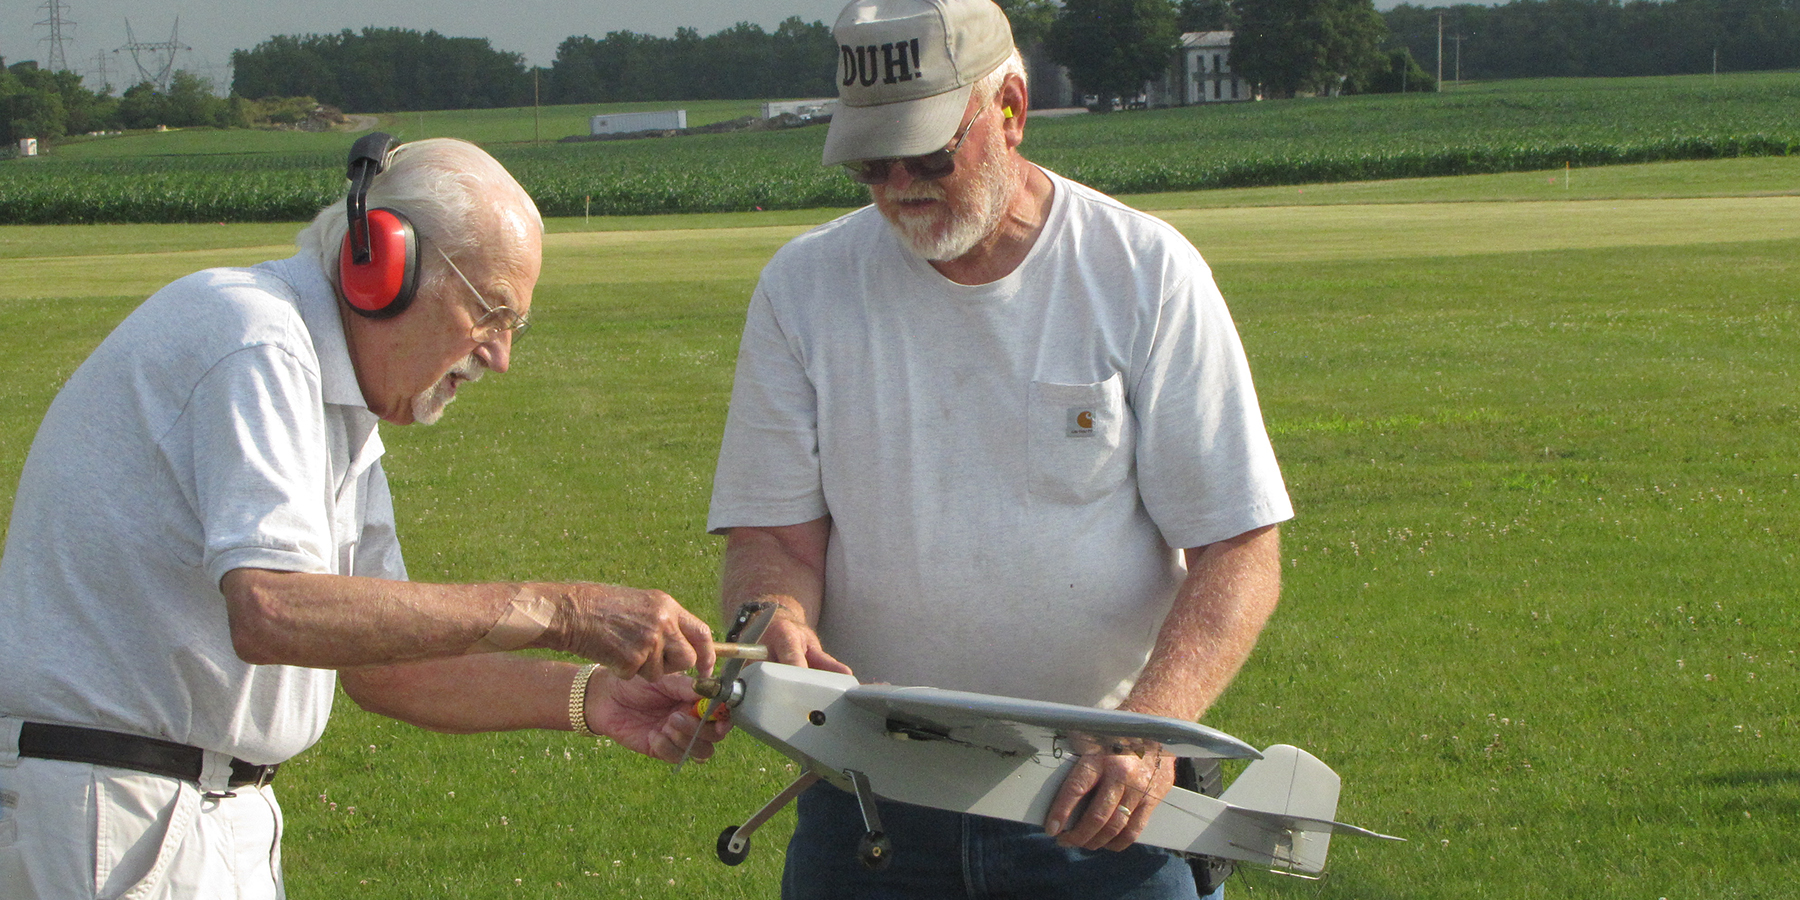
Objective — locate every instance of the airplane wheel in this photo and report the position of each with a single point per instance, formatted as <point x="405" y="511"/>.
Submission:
<point x="875" y="850"/>
<point x="725" y="855"/>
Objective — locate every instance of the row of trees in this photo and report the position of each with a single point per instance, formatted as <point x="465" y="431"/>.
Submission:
<point x="1111" y="48"/>
<point x="742" y="62"/>
<point x="43" y="104"/>
<point x="47" y="105"/>
<point x="383" y="69"/>
<point x="1543" y="38"/>
<point x="1291" y="47"/>
<point x="396" y="69"/>
<point x="1310" y="46"/>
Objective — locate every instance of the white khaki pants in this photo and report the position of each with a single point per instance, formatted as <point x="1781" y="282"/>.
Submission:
<point x="73" y="830"/>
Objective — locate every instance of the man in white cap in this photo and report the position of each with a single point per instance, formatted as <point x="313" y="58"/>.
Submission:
<point x="995" y="433"/>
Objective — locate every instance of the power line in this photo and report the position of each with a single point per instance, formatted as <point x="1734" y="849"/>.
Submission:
<point x="1440" y="53"/>
<point x="104" y="86"/>
<point x="162" y="55"/>
<point x="53" y="10"/>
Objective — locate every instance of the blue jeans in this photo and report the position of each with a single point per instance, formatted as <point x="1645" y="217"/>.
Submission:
<point x="939" y="854"/>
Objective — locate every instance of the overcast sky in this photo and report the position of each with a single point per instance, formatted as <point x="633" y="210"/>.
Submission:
<point x="211" y="29"/>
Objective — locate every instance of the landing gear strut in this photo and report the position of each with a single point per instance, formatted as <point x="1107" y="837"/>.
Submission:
<point x="734" y="842"/>
<point x="875" y="850"/>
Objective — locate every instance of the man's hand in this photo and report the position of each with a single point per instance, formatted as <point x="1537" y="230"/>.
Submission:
<point x="793" y="642"/>
<point x="655" y="718"/>
<point x="633" y="632"/>
<point x="1231" y="588"/>
<point x="1120" y="789"/>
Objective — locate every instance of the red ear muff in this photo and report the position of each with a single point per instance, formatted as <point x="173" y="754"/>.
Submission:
<point x="378" y="265"/>
<point x="384" y="285"/>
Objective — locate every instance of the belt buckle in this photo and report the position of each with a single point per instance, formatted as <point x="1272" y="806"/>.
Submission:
<point x="264" y="775"/>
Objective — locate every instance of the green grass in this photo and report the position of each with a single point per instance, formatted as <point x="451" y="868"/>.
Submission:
<point x="1758" y="177"/>
<point x="1538" y="603"/>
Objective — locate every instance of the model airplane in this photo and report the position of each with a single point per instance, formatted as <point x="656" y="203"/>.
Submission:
<point x="1006" y="758"/>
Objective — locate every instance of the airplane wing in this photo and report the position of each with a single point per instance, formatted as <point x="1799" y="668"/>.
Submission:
<point x="1012" y="726"/>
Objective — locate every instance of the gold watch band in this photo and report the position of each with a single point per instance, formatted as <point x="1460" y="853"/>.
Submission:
<point x="578" y="701"/>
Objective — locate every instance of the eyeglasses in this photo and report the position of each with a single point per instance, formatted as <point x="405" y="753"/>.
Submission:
<point x="494" y="320"/>
<point x="930" y="167"/>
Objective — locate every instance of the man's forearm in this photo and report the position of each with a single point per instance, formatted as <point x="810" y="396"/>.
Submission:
<point x="1231" y="589"/>
<point x="336" y="621"/>
<point x="468" y="694"/>
<point x="784" y="565"/>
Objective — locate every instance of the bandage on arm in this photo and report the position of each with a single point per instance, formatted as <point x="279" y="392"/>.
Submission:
<point x="526" y="618"/>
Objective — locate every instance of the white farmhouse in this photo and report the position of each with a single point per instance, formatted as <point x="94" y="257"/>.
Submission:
<point x="1206" y="70"/>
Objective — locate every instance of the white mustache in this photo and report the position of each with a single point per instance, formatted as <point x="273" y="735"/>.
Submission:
<point x="918" y="190"/>
<point x="469" y="369"/>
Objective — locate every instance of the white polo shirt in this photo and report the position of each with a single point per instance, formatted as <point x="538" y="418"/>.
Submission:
<point x="1010" y="468"/>
<point x="220" y="426"/>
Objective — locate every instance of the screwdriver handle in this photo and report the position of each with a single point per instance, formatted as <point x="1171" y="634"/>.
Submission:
<point x="750" y="652"/>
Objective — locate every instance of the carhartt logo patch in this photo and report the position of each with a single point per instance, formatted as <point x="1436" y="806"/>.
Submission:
<point x="1080" y="422"/>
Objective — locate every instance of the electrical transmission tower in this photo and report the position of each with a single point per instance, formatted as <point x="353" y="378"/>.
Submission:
<point x="58" y="59"/>
<point x="161" y="68"/>
<point x="102" y="84"/>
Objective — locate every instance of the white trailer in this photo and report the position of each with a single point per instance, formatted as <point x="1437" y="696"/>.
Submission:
<point x="626" y="123"/>
<point x="806" y="109"/>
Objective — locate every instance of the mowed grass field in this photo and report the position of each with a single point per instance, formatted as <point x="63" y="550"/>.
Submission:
<point x="1539" y="599"/>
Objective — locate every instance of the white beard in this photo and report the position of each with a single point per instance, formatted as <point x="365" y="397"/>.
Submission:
<point x="988" y="195"/>
<point x="428" y="407"/>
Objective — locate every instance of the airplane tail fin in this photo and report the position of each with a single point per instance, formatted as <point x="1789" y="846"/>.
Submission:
<point x="1288" y="799"/>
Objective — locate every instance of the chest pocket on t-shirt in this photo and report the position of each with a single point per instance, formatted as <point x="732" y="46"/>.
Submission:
<point x="1080" y="439"/>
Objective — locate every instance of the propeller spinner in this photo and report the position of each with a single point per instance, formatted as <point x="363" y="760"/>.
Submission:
<point x="719" y="687"/>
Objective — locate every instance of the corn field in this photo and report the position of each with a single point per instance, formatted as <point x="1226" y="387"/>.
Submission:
<point x="1480" y="128"/>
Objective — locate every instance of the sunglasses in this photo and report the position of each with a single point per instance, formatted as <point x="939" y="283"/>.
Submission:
<point x="929" y="167"/>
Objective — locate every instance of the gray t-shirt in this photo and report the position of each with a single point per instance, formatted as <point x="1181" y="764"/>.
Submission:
<point x="1010" y="468"/>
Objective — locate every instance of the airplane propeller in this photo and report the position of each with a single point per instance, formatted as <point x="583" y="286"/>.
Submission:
<point x="719" y="687"/>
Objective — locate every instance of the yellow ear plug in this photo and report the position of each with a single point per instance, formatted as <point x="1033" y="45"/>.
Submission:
<point x="1007" y="110"/>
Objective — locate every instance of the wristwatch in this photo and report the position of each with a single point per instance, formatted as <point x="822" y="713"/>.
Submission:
<point x="744" y="614"/>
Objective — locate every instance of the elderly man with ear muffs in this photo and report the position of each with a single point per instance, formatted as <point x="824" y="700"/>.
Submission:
<point x="203" y="546"/>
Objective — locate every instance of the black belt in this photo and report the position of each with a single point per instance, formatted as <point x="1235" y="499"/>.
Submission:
<point x="129" y="751"/>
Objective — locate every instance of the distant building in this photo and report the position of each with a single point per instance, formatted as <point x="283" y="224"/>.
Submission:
<point x="631" y="122"/>
<point x="1202" y="74"/>
<point x="1209" y="79"/>
<point x="806" y="109"/>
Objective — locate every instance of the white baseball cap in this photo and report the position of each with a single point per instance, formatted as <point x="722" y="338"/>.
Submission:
<point x="906" y="69"/>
